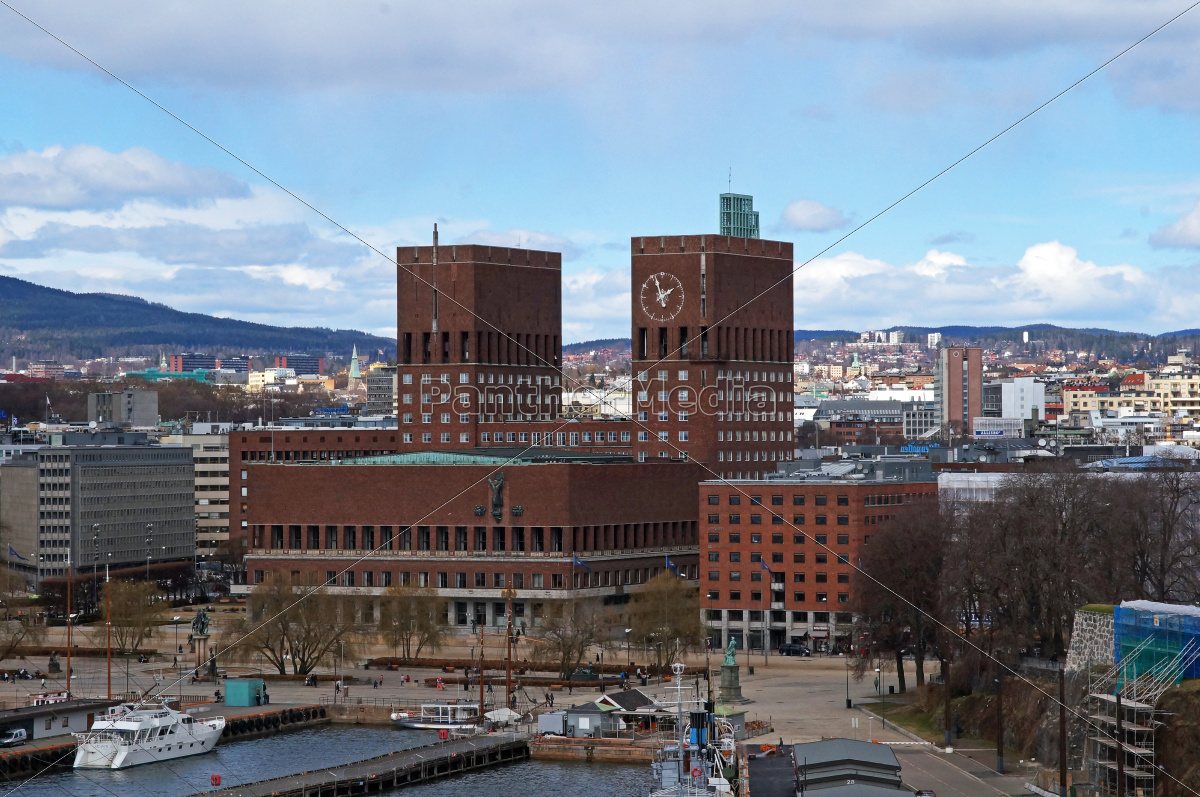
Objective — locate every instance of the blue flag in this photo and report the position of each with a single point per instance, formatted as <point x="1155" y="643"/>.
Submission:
<point x="3" y="414"/>
<point x="582" y="564"/>
<point x="11" y="552"/>
<point x="763" y="563"/>
<point x="673" y="568"/>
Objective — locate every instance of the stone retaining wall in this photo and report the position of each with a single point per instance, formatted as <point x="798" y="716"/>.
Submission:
<point x="1091" y="640"/>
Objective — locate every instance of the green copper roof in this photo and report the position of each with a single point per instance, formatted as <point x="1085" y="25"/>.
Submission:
<point x="428" y="458"/>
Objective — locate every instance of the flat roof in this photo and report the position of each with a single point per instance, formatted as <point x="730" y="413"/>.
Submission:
<point x="27" y="712"/>
<point x="483" y="456"/>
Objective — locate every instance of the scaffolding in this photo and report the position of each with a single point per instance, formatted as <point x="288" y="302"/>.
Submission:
<point x="1120" y="739"/>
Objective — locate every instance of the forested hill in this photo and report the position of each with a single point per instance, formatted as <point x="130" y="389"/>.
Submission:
<point x="39" y="322"/>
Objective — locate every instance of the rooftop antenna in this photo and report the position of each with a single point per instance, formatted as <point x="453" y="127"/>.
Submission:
<point x="729" y="187"/>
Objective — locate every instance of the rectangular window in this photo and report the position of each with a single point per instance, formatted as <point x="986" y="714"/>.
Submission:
<point x="798" y="597"/>
<point x="756" y="520"/>
<point x="843" y="500"/>
<point x="798" y="520"/>
<point x="798" y="578"/>
<point x="735" y="500"/>
<point x="798" y="558"/>
<point x="822" y="597"/>
<point x="735" y="575"/>
<point x="713" y="500"/>
<point x="843" y="539"/>
<point x="843" y="578"/>
<point x="843" y="520"/>
<point x="821" y="520"/>
<point x="735" y="519"/>
<point x="714" y="519"/>
<point x="797" y="500"/>
<point x="349" y="578"/>
<point x="822" y="500"/>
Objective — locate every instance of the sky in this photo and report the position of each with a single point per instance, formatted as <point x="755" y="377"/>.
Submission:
<point x="576" y="126"/>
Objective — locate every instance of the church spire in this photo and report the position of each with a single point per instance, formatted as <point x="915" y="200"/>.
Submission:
<point x="354" y="371"/>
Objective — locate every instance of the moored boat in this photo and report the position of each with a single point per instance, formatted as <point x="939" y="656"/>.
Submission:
<point x="128" y="735"/>
<point x="439" y="715"/>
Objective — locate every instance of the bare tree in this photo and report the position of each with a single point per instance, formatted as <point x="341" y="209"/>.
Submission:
<point x="17" y="628"/>
<point x="134" y="608"/>
<point x="568" y="630"/>
<point x="665" y="614"/>
<point x="291" y="618"/>
<point x="412" y="619"/>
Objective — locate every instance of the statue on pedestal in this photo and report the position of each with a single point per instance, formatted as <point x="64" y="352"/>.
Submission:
<point x="200" y="623"/>
<point x="730" y="653"/>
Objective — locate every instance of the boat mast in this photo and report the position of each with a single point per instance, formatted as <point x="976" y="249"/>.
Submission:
<point x="68" y="623"/>
<point x="108" y="624"/>
<point x="508" y="700"/>
<point x="481" y="712"/>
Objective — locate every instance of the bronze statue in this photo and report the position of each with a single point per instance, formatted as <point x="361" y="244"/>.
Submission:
<point x="730" y="653"/>
<point x="200" y="623"/>
<point x="497" y="484"/>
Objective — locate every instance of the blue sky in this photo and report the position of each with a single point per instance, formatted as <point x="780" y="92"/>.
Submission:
<point x="574" y="128"/>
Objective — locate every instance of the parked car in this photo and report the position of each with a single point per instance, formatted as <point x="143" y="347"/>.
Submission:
<point x="926" y="793"/>
<point x="788" y="649"/>
<point x="13" y="737"/>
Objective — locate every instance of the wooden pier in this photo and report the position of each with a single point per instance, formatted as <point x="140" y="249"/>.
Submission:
<point x="391" y="771"/>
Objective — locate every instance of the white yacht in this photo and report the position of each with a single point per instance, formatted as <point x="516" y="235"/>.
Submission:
<point x="439" y="715"/>
<point x="129" y="734"/>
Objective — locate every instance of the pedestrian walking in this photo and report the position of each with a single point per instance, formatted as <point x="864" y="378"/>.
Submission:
<point x="337" y="687"/>
<point x="266" y="696"/>
<point x="570" y="688"/>
<point x="374" y="684"/>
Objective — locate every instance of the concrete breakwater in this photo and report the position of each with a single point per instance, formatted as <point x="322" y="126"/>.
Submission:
<point x="614" y="751"/>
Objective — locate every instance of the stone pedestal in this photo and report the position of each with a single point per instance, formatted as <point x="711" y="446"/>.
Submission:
<point x="200" y="645"/>
<point x="730" y="691"/>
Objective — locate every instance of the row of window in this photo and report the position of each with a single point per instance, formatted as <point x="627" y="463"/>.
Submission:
<point x="426" y="538"/>
<point x="797" y="597"/>
<point x="735" y="537"/>
<point x="735" y="519"/>
<point x="777" y="500"/>
<point x="490" y="379"/>
<point x="777" y="557"/>
<point x="756" y="616"/>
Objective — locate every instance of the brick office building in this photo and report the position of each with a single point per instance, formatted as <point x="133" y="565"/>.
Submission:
<point x="807" y="531"/>
<point x="721" y="396"/>
<point x="453" y="522"/>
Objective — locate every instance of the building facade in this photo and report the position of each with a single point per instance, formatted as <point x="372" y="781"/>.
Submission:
<point x="210" y="453"/>
<point x="723" y="398"/>
<point x="121" y="505"/>
<point x="777" y="556"/>
<point x="958" y="387"/>
<point x="128" y="408"/>
<point x="191" y="361"/>
<point x="549" y="525"/>
<point x="302" y="364"/>
<point x="382" y="395"/>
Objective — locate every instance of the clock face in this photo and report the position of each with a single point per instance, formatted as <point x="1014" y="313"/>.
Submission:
<point x="662" y="296"/>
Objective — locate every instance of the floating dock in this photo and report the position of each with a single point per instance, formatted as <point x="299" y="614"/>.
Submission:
<point x="391" y="771"/>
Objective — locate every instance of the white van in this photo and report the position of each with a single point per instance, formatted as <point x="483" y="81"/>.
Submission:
<point x="13" y="737"/>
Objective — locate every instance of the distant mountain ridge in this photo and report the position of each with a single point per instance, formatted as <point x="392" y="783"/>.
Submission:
<point x="956" y="331"/>
<point x="96" y="324"/>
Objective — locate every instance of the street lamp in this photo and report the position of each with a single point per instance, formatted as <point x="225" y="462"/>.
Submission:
<point x="627" y="630"/>
<point x="178" y="676"/>
<point x="149" y="542"/>
<point x="95" y="564"/>
<point x="342" y="668"/>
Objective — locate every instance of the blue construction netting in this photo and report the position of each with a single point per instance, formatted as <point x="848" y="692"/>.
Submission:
<point x="1169" y="628"/>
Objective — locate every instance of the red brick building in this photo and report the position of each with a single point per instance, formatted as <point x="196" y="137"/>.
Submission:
<point x="474" y="524"/>
<point x="712" y="351"/>
<point x="479" y="339"/>
<point x="777" y="555"/>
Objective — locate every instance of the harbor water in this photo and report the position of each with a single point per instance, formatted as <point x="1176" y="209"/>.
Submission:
<point x="327" y="748"/>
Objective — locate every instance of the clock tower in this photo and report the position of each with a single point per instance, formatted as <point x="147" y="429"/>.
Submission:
<point x="712" y="351"/>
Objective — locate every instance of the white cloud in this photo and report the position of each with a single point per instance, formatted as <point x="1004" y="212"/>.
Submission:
<point x="468" y="47"/>
<point x="596" y="304"/>
<point x="1049" y="283"/>
<point x="809" y="215"/>
<point x="85" y="176"/>
<point x="1183" y="232"/>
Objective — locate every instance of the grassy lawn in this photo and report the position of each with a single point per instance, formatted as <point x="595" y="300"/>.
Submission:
<point x="907" y="717"/>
